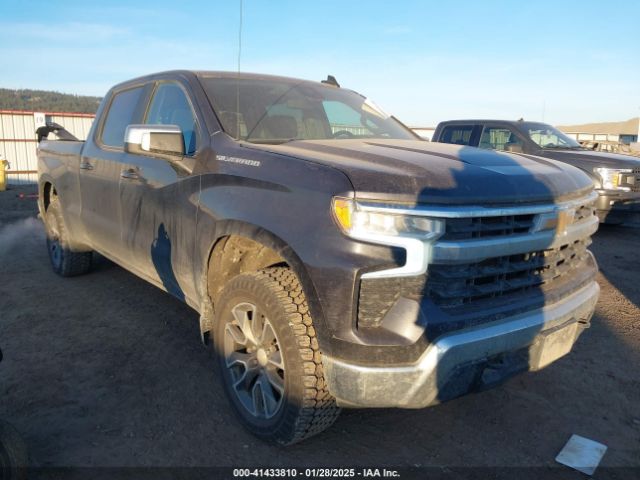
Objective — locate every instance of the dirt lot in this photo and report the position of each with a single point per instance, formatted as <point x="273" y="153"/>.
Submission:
<point x="107" y="370"/>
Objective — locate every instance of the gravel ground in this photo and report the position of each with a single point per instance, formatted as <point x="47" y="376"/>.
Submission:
<point x="107" y="370"/>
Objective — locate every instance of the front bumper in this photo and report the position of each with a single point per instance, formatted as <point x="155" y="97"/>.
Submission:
<point x="614" y="205"/>
<point x="466" y="360"/>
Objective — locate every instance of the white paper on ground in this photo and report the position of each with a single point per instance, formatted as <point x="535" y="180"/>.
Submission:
<point x="582" y="454"/>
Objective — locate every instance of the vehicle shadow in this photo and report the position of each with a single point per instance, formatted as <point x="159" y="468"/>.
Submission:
<point x="509" y="286"/>
<point x="500" y="285"/>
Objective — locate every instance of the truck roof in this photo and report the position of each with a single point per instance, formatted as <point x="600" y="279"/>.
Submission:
<point x="486" y="120"/>
<point x="213" y="74"/>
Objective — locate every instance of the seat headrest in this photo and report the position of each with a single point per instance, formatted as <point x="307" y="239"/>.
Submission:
<point x="281" y="126"/>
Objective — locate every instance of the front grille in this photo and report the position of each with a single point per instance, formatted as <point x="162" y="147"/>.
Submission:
<point x="472" y="228"/>
<point x="584" y="211"/>
<point x="482" y="227"/>
<point x="454" y="285"/>
<point x="477" y="287"/>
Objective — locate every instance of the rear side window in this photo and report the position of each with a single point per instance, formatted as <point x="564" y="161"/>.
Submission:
<point x="170" y="106"/>
<point x="458" y="134"/>
<point x="119" y="116"/>
<point x="497" y="138"/>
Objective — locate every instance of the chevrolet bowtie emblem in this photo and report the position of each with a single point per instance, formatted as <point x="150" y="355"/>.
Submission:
<point x="558" y="221"/>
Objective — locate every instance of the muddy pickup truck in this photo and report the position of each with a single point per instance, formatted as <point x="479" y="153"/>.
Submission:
<point x="615" y="177"/>
<point x="335" y="259"/>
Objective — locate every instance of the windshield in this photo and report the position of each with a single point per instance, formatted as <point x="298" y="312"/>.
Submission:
<point x="277" y="111"/>
<point x="547" y="136"/>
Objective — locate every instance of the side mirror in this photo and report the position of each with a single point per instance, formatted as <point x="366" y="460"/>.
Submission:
<point x="159" y="140"/>
<point x="513" y="148"/>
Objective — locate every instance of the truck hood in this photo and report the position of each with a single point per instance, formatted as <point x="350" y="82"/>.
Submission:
<point x="588" y="160"/>
<point x="415" y="171"/>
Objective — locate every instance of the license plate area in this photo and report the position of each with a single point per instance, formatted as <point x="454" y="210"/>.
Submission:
<point x="552" y="344"/>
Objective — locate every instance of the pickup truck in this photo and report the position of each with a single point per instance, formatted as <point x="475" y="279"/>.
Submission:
<point x="615" y="177"/>
<point x="335" y="259"/>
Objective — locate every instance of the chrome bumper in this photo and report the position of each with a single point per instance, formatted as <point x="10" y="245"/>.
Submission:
<point x="547" y="334"/>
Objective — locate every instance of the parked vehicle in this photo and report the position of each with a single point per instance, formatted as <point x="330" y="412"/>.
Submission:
<point x="616" y="177"/>
<point x="335" y="259"/>
<point x="609" y="147"/>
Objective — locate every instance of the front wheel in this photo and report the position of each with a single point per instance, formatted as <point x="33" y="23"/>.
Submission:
<point x="269" y="357"/>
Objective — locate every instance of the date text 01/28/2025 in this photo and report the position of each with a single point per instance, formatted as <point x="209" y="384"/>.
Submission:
<point x="315" y="473"/>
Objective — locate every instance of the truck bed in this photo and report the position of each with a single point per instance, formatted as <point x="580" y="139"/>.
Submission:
<point x="64" y="148"/>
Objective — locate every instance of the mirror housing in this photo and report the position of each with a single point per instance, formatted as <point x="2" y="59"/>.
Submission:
<point x="158" y="140"/>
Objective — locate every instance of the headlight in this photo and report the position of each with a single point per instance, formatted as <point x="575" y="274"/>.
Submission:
<point x="382" y="221"/>
<point x="611" y="177"/>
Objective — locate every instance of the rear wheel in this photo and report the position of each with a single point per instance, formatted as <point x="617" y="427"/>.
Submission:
<point x="269" y="357"/>
<point x="64" y="261"/>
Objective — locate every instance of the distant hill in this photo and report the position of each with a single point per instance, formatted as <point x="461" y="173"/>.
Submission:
<point x="45" y="101"/>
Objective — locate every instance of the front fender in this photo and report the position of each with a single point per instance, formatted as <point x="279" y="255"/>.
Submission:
<point x="226" y="228"/>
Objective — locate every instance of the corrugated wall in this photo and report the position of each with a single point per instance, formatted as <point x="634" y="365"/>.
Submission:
<point x="18" y="139"/>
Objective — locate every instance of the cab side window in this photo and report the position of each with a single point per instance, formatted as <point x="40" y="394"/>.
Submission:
<point x="119" y="116"/>
<point x="457" y="134"/>
<point x="498" y="138"/>
<point x="170" y="106"/>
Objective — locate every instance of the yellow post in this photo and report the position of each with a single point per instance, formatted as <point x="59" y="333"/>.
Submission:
<point x="4" y="166"/>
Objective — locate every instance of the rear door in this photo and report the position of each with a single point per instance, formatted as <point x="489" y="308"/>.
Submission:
<point x="159" y="196"/>
<point x="100" y="167"/>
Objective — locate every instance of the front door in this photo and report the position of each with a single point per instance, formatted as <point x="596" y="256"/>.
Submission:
<point x="159" y="197"/>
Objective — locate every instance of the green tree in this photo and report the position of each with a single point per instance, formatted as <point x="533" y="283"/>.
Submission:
<point x="46" y="101"/>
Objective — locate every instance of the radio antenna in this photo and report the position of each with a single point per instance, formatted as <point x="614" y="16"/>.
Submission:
<point x="238" y="76"/>
<point x="240" y="38"/>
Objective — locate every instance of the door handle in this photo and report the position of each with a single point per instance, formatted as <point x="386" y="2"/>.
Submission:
<point x="86" y="166"/>
<point x="130" y="173"/>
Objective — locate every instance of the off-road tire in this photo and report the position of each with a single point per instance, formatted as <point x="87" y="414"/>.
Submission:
<point x="307" y="407"/>
<point x="64" y="262"/>
<point x="13" y="453"/>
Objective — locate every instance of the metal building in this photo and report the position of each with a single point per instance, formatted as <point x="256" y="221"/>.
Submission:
<point x="621" y="132"/>
<point x="18" y="141"/>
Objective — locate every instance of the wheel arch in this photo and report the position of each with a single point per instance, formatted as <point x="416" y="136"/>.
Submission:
<point x="234" y="240"/>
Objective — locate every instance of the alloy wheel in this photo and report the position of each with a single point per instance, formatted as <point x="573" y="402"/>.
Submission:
<point x="254" y="360"/>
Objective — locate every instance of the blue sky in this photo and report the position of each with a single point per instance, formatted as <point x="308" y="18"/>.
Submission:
<point x="423" y="61"/>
